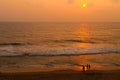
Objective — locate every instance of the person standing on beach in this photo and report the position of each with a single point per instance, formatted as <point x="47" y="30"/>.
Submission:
<point x="83" y="68"/>
<point x="88" y="66"/>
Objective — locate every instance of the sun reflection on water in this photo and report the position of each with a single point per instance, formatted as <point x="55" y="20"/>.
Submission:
<point x="83" y="35"/>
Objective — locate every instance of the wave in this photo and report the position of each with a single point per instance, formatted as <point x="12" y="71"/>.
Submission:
<point x="50" y="41"/>
<point x="57" y="50"/>
<point x="73" y="40"/>
<point x="73" y="51"/>
<point x="36" y="54"/>
<point x="13" y="44"/>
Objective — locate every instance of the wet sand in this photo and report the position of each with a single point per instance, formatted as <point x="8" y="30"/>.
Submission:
<point x="102" y="68"/>
<point x="63" y="75"/>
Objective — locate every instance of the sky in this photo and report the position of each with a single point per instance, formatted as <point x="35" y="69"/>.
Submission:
<point x="60" y="10"/>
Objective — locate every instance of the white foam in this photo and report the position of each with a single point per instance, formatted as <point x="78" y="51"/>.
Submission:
<point x="57" y="51"/>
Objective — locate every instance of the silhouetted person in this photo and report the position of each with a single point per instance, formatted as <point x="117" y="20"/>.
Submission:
<point x="83" y="68"/>
<point x="89" y="66"/>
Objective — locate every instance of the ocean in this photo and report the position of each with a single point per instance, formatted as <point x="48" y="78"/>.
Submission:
<point x="31" y="44"/>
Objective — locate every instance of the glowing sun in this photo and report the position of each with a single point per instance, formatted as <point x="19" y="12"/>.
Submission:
<point x="84" y="5"/>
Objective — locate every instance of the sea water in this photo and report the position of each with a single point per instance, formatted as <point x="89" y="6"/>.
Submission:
<point x="26" y="44"/>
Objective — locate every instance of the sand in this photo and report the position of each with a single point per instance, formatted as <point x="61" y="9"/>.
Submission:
<point x="98" y="71"/>
<point x="63" y="75"/>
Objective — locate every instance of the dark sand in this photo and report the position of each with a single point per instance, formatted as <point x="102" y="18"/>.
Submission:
<point x="63" y="75"/>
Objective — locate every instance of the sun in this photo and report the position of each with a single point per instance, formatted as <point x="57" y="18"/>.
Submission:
<point x="84" y="5"/>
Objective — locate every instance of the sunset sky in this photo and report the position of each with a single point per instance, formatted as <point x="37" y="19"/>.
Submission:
<point x="60" y="10"/>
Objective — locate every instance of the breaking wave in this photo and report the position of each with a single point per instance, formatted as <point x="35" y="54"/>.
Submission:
<point x="63" y="51"/>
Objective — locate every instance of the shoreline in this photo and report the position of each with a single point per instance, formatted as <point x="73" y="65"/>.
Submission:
<point x="48" y="63"/>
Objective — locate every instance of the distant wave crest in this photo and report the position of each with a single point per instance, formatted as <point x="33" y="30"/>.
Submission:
<point x="73" y="40"/>
<point x="13" y="44"/>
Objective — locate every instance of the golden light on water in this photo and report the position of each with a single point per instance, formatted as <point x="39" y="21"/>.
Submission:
<point x="83" y="35"/>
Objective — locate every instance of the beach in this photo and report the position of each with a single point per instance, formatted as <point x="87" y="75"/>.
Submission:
<point x="51" y="63"/>
<point x="63" y="75"/>
<point x="98" y="71"/>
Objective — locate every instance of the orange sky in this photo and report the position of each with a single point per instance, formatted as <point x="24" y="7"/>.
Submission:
<point x="60" y="10"/>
